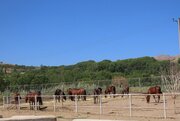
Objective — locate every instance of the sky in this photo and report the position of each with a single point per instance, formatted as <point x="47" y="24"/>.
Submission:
<point x="65" y="32"/>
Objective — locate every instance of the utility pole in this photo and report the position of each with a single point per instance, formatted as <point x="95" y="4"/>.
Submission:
<point x="178" y="22"/>
<point x="179" y="31"/>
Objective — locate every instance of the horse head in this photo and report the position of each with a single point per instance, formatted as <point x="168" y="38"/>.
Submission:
<point x="158" y="89"/>
<point x="100" y="90"/>
<point x="17" y="97"/>
<point x="57" y="92"/>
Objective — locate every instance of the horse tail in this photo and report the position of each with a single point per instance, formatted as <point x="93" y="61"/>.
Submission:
<point x="39" y="99"/>
<point x="114" y="90"/>
<point x="128" y="90"/>
<point x="147" y="96"/>
<point x="160" y="91"/>
<point x="64" y="96"/>
<point x="85" y="95"/>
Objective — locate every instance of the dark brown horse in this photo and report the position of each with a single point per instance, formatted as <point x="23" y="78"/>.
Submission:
<point x="33" y="98"/>
<point x="17" y="98"/>
<point x="97" y="92"/>
<point x="154" y="90"/>
<point x="59" y="94"/>
<point x="79" y="92"/>
<point x="125" y="90"/>
<point x="110" y="90"/>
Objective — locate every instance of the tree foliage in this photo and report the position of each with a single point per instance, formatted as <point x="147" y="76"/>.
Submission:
<point x="86" y="71"/>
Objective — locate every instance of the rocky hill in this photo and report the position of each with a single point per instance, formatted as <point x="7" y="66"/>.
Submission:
<point x="167" y="57"/>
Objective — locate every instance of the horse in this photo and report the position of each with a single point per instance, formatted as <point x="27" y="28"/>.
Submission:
<point x="110" y="90"/>
<point x="154" y="90"/>
<point x="125" y="90"/>
<point x="59" y="94"/>
<point x="33" y="98"/>
<point x="97" y="92"/>
<point x="78" y="92"/>
<point x="17" y="98"/>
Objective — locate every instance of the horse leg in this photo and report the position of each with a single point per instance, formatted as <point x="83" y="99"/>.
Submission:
<point x="122" y="94"/>
<point x="154" y="98"/>
<point x="30" y="105"/>
<point x="61" y="98"/>
<point x="105" y="96"/>
<point x="94" y="99"/>
<point x="72" y="98"/>
<point x="114" y="94"/>
<point x="84" y="97"/>
<point x="78" y="97"/>
<point x="33" y="104"/>
<point x="98" y="98"/>
<point x="37" y="105"/>
<point x="148" y="98"/>
<point x="58" y="98"/>
<point x="158" y="98"/>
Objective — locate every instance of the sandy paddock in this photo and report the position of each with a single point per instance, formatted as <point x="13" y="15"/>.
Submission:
<point x="111" y="108"/>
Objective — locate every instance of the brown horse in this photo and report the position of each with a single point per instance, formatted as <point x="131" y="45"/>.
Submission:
<point x="97" y="92"/>
<point x="59" y="94"/>
<point x="154" y="90"/>
<point x="33" y="98"/>
<point x="79" y="92"/>
<point x="125" y="90"/>
<point x="110" y="90"/>
<point x="17" y="98"/>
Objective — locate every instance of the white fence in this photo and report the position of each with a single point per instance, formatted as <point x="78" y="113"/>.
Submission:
<point x="128" y="105"/>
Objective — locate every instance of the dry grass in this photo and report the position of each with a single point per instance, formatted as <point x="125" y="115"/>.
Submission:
<point x="112" y="108"/>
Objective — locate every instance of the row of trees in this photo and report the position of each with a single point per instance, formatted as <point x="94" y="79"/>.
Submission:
<point x="87" y="71"/>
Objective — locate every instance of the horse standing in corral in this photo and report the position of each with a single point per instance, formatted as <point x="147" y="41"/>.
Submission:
<point x="59" y="94"/>
<point x="79" y="92"/>
<point x="97" y="92"/>
<point x="17" y="98"/>
<point x="33" y="98"/>
<point x="110" y="90"/>
<point x="125" y="90"/>
<point x="154" y="90"/>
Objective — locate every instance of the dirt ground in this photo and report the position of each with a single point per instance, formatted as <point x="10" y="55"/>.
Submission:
<point x="111" y="108"/>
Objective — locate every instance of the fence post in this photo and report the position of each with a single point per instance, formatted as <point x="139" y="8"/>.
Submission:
<point x="139" y="82"/>
<point x="164" y="102"/>
<point x="76" y="104"/>
<point x="130" y="105"/>
<point x="174" y="98"/>
<point x="3" y="102"/>
<point x="61" y="99"/>
<point x="35" y="105"/>
<point x="100" y="105"/>
<point x="7" y="101"/>
<point x="54" y="98"/>
<point x="19" y="104"/>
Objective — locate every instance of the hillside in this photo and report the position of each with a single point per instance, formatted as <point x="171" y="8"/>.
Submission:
<point x="86" y="71"/>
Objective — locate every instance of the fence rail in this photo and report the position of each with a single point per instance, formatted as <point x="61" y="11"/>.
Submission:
<point x="128" y="105"/>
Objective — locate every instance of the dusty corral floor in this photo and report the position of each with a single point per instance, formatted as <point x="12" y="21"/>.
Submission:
<point x="111" y="108"/>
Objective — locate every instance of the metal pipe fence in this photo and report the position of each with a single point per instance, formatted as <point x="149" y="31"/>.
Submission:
<point x="128" y="105"/>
